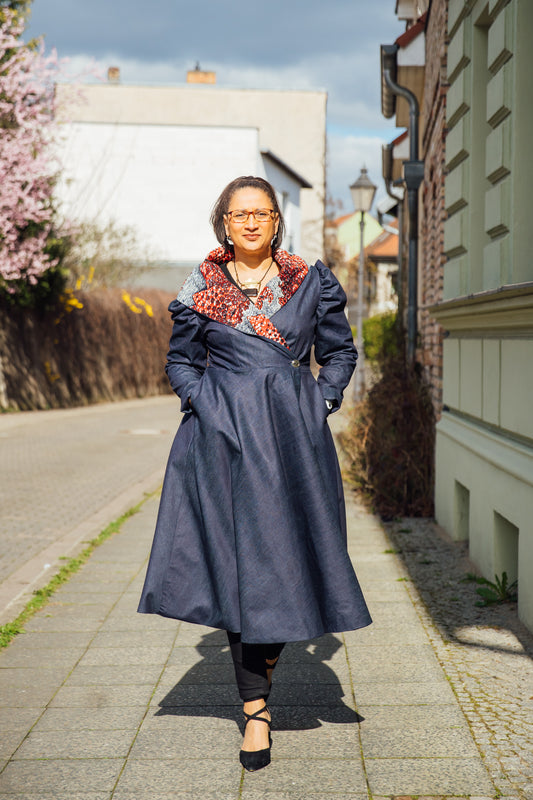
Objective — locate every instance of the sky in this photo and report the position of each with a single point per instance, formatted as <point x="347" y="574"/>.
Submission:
<point x="273" y="44"/>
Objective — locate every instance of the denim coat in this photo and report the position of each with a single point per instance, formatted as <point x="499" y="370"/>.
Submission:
<point x="251" y="531"/>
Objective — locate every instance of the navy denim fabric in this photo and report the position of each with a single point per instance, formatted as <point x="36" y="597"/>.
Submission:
<point x="251" y="532"/>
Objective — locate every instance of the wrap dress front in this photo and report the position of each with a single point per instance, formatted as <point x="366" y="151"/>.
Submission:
<point x="251" y="531"/>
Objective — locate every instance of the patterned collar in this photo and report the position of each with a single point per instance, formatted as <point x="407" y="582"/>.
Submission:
<point x="208" y="291"/>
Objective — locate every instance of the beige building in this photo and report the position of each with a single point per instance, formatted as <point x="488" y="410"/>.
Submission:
<point x="220" y="134"/>
<point x="484" y="462"/>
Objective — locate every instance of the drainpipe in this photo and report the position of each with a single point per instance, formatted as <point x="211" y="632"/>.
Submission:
<point x="413" y="173"/>
<point x="387" y="168"/>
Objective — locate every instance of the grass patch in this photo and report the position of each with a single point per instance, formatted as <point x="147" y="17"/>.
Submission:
<point x="41" y="596"/>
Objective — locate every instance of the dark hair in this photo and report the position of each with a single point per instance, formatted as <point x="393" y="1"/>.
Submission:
<point x="222" y="204"/>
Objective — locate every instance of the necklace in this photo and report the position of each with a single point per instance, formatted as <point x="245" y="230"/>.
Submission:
<point x="251" y="288"/>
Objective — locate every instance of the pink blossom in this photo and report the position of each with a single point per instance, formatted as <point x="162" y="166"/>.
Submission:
<point x="27" y="169"/>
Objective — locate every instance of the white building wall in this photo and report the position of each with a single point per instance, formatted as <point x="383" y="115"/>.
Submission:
<point x="288" y="194"/>
<point x="160" y="179"/>
<point x="292" y="124"/>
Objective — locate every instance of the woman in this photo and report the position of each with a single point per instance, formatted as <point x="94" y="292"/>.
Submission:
<point x="251" y="534"/>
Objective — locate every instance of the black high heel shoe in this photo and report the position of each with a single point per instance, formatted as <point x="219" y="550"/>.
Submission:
<point x="252" y="760"/>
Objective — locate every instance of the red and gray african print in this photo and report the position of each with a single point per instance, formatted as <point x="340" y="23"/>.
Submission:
<point x="208" y="291"/>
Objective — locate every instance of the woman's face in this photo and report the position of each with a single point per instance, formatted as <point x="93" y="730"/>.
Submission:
<point x="250" y="236"/>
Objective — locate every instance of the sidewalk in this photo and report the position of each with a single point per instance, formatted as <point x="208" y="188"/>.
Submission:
<point x="98" y="702"/>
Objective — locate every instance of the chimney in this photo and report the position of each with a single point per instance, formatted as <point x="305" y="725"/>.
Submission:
<point x="198" y="75"/>
<point x="113" y="75"/>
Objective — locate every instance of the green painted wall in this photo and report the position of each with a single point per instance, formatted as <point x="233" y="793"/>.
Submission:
<point x="484" y="469"/>
<point x="349" y="236"/>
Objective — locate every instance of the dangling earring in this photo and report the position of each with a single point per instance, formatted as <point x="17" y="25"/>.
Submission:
<point x="228" y="241"/>
<point x="274" y="240"/>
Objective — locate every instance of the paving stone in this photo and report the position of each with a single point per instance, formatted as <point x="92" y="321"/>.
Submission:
<point x="294" y="718"/>
<point x="186" y="737"/>
<point x="46" y="641"/>
<point x="399" y="693"/>
<point x="53" y="795"/>
<point x="87" y="719"/>
<point x="197" y="674"/>
<point x="251" y="793"/>
<point x="79" y="584"/>
<point x="24" y="654"/>
<point x="118" y="621"/>
<point x="374" y="658"/>
<point x="101" y="696"/>
<point x="20" y="720"/>
<point x="110" y="676"/>
<point x="195" y="638"/>
<point x="78" y="744"/>
<point x="329" y="741"/>
<point x="388" y="613"/>
<point x="201" y="795"/>
<point x="125" y="656"/>
<point x="291" y="776"/>
<point x="385" y="672"/>
<point x="162" y="638"/>
<point x="170" y="718"/>
<point x="33" y="696"/>
<point x="333" y="695"/>
<point x="24" y="678"/>
<point x="56" y="776"/>
<point x="153" y="776"/>
<point x="384" y="637"/>
<point x="428" y="776"/>
<point x="411" y="742"/>
<point x="188" y="655"/>
<point x="418" y="717"/>
<point x="191" y="695"/>
<point x="53" y="624"/>
<point x="104" y="599"/>
<point x="9" y="741"/>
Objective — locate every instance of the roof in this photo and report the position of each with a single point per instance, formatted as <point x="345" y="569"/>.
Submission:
<point x="342" y="219"/>
<point x="412" y="32"/>
<point x="399" y="139"/>
<point x="385" y="246"/>
<point x="285" y="167"/>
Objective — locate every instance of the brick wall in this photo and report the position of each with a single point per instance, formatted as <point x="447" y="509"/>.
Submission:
<point x="432" y="199"/>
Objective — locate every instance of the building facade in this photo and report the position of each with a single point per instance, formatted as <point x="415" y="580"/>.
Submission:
<point x="475" y="278"/>
<point x="484" y="462"/>
<point x="156" y="157"/>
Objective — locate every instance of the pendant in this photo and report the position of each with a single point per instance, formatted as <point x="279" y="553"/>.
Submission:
<point x="250" y="292"/>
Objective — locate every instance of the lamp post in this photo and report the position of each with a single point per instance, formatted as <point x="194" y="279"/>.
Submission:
<point x="362" y="191"/>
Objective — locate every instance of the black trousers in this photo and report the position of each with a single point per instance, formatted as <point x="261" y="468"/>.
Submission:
<point x="251" y="663"/>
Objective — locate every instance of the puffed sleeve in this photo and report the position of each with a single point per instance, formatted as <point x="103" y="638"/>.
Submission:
<point x="334" y="348"/>
<point x="187" y="354"/>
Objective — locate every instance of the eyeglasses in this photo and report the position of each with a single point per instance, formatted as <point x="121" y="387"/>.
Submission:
<point x="240" y="215"/>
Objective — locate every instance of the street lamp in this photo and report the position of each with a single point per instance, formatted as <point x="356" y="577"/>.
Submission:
<point x="362" y="191"/>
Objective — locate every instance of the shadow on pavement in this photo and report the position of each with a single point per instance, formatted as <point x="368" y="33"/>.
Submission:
<point x="438" y="567"/>
<point x="306" y="689"/>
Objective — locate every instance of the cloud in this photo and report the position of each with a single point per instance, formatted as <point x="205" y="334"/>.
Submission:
<point x="299" y="44"/>
<point x="277" y="32"/>
<point x="346" y="156"/>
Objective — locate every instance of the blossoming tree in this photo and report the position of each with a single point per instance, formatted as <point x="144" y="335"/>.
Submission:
<point x="28" y="242"/>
